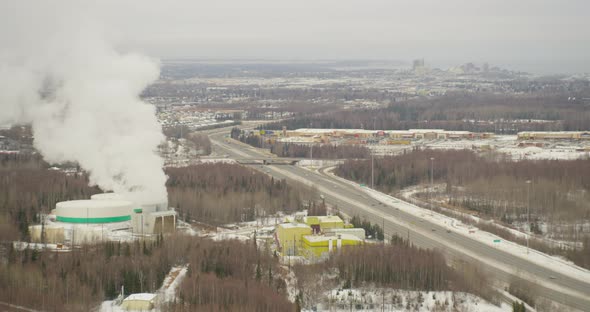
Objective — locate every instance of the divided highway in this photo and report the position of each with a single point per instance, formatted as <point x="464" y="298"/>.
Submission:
<point x="503" y="266"/>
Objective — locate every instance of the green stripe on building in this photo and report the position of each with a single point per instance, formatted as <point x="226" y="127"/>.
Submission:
<point x="94" y="220"/>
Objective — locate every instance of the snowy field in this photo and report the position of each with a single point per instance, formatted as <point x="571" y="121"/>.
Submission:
<point x="509" y="145"/>
<point x="371" y="299"/>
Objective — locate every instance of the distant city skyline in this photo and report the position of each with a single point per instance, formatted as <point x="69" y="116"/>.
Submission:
<point x="539" y="36"/>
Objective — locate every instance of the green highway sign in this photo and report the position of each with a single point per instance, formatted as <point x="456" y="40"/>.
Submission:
<point x="497" y="240"/>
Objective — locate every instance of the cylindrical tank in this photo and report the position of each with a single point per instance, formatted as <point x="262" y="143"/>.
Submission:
<point x="106" y="196"/>
<point x="93" y="211"/>
<point x="146" y="207"/>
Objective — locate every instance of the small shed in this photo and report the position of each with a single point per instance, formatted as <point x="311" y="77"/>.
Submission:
<point x="139" y="302"/>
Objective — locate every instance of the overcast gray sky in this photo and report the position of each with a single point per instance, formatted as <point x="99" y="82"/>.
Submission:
<point x="534" y="35"/>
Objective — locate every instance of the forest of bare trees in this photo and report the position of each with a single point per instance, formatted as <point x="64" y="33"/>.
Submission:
<point x="198" y="141"/>
<point x="28" y="188"/>
<point x="489" y="185"/>
<point x="224" y="193"/>
<point x="397" y="265"/>
<point x="222" y="275"/>
<point x="232" y="276"/>
<point x="479" y="112"/>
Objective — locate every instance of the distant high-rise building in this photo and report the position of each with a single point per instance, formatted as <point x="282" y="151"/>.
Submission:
<point x="418" y="63"/>
<point x="486" y="67"/>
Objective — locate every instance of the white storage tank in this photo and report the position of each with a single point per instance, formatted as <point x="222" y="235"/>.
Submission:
<point x="106" y="196"/>
<point x="145" y="207"/>
<point x="93" y="211"/>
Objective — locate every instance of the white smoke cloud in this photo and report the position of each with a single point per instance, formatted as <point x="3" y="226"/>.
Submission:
<point x="81" y="97"/>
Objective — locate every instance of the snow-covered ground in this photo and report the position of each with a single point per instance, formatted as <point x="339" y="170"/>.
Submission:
<point x="167" y="293"/>
<point x="374" y="299"/>
<point x="537" y="153"/>
<point x="318" y="162"/>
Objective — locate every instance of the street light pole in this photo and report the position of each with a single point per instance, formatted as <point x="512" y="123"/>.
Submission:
<point x="431" y="181"/>
<point x="311" y="155"/>
<point x="372" y="171"/>
<point x="311" y="148"/>
<point x="528" y="207"/>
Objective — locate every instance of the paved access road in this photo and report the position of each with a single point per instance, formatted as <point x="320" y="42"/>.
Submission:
<point x="503" y="266"/>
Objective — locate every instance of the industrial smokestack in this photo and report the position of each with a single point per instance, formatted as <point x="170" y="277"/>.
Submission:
<point x="81" y="97"/>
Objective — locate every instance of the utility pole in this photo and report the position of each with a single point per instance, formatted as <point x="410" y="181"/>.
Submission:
<point x="383" y="228"/>
<point x="431" y="181"/>
<point x="311" y="155"/>
<point x="528" y="207"/>
<point x="372" y="170"/>
<point x="311" y="147"/>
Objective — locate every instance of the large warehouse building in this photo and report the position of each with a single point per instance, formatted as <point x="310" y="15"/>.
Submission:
<point x="316" y="236"/>
<point x="554" y="135"/>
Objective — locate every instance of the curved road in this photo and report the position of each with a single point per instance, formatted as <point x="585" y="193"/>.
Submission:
<point x="503" y="266"/>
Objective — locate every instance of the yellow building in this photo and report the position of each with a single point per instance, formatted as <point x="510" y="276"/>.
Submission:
<point x="553" y="135"/>
<point x="302" y="239"/>
<point x="318" y="246"/>
<point x="289" y="237"/>
<point x="324" y="222"/>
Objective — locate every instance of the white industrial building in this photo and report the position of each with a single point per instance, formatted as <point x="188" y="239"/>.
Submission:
<point x="106" y="216"/>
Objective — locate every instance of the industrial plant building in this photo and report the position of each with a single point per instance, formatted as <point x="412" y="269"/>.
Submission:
<point x="361" y="136"/>
<point x="94" y="220"/>
<point x="314" y="237"/>
<point x="554" y="135"/>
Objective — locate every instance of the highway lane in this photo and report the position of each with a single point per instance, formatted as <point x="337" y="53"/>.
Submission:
<point x="352" y="200"/>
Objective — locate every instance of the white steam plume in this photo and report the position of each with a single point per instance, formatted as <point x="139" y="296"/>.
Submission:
<point x="82" y="99"/>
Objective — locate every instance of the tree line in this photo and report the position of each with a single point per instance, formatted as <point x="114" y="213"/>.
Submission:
<point x="319" y="151"/>
<point x="478" y="112"/>
<point x="219" y="193"/>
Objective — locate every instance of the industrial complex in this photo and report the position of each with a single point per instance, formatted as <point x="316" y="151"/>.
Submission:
<point x="554" y="135"/>
<point x="362" y="136"/>
<point x="103" y="217"/>
<point x="314" y="237"/>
